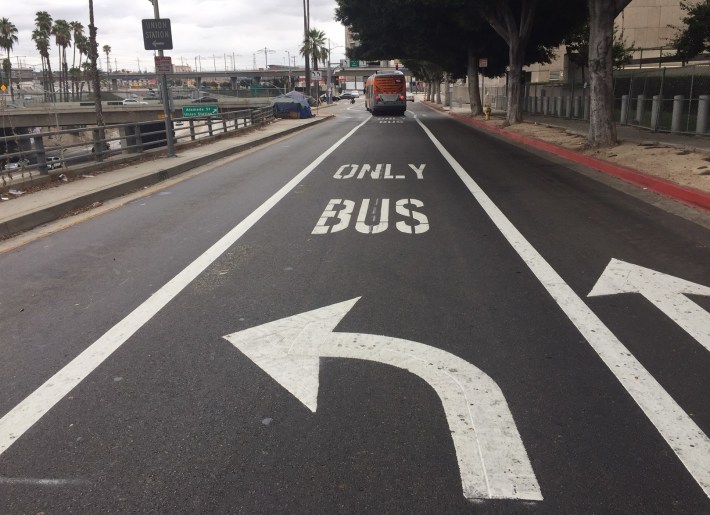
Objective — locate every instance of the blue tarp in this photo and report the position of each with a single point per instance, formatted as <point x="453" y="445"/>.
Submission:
<point x="293" y="101"/>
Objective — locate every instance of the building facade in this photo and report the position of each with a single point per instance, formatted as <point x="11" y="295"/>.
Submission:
<point x="648" y="25"/>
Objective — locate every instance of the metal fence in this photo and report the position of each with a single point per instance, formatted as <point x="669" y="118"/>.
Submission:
<point x="40" y="153"/>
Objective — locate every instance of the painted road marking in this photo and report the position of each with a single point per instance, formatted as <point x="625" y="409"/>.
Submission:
<point x="666" y="292"/>
<point x="683" y="435"/>
<point x="377" y="171"/>
<point x="373" y="216"/>
<point x="493" y="463"/>
<point x="23" y="416"/>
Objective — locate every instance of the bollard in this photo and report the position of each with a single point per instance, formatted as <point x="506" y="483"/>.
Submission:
<point x="656" y="105"/>
<point x="587" y="102"/>
<point x="640" y="107"/>
<point x="568" y="107"/>
<point x="546" y="106"/>
<point x="701" y="126"/>
<point x="577" y="106"/>
<point x="677" y="117"/>
<point x="558" y="106"/>
<point x="624" y="110"/>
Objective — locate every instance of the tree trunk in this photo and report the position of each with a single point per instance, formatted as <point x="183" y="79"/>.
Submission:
<point x="447" y="91"/>
<point x="516" y="55"/>
<point x="474" y="92"/>
<point x="602" y="129"/>
<point x="437" y="89"/>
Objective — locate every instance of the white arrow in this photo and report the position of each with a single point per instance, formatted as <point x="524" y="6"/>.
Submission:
<point x="491" y="456"/>
<point x="665" y="291"/>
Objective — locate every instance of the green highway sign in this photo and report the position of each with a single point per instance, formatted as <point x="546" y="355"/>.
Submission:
<point x="354" y="63"/>
<point x="206" y="110"/>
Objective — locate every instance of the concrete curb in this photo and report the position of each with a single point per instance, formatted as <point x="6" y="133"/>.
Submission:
<point x="691" y="196"/>
<point x="163" y="172"/>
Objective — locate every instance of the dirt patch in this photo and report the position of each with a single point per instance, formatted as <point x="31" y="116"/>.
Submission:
<point x="681" y="166"/>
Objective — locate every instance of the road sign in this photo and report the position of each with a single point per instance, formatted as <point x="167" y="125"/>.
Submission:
<point x="492" y="459"/>
<point x="205" y="110"/>
<point x="354" y="63"/>
<point x="163" y="65"/>
<point x="157" y="34"/>
<point x="483" y="62"/>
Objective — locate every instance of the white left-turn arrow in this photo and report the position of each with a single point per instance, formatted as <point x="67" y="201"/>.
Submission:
<point x="666" y="292"/>
<point x="493" y="463"/>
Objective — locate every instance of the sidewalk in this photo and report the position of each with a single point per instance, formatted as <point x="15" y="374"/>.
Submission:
<point x="51" y="203"/>
<point x="670" y="186"/>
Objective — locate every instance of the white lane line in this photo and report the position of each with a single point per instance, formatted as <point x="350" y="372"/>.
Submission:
<point x="43" y="482"/>
<point x="33" y="407"/>
<point x="684" y="436"/>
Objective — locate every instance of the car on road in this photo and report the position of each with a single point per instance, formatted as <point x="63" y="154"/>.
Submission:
<point x="324" y="98"/>
<point x="54" y="162"/>
<point x="133" y="102"/>
<point x="17" y="165"/>
<point x="355" y="93"/>
<point x="410" y="96"/>
<point x="348" y="96"/>
<point x="203" y="100"/>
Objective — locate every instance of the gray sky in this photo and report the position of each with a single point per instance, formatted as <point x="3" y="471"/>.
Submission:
<point x="214" y="30"/>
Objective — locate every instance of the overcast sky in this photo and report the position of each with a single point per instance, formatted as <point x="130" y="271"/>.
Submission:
<point x="214" y="30"/>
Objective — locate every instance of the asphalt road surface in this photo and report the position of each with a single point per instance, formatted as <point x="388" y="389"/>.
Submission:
<point x="377" y="315"/>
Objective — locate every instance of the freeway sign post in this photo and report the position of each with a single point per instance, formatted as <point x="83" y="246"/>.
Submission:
<point x="157" y="35"/>
<point x="194" y="111"/>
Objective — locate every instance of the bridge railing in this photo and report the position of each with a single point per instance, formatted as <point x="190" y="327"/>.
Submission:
<point x="39" y="154"/>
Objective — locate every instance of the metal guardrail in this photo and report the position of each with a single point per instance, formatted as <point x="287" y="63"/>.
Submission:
<point x="38" y="153"/>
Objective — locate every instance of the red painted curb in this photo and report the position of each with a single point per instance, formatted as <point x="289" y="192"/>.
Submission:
<point x="685" y="194"/>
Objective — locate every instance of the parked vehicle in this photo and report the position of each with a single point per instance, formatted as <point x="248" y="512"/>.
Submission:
<point x="410" y="96"/>
<point x="54" y="162"/>
<point x="132" y="102"/>
<point x="17" y="165"/>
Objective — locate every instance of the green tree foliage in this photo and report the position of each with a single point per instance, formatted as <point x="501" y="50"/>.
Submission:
<point x="694" y="38"/>
<point x="41" y="37"/>
<point x="315" y="46"/>
<point x="61" y="31"/>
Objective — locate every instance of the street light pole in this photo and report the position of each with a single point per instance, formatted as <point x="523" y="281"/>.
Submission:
<point x="306" y="44"/>
<point x="166" y="94"/>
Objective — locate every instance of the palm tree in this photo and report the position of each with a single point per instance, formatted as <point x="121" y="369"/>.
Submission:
<point x="315" y="46"/>
<point x="107" y="50"/>
<point x="77" y="30"/>
<point x="43" y="22"/>
<point x="62" y="37"/>
<point x="81" y="43"/>
<point x="8" y="38"/>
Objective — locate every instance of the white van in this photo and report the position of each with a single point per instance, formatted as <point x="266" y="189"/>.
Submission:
<point x="54" y="162"/>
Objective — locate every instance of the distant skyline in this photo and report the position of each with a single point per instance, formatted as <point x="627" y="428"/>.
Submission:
<point x="207" y="33"/>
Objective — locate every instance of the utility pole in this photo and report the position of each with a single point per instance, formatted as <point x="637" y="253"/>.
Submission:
<point x="290" y="81"/>
<point x="166" y="95"/>
<point x="266" y="52"/>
